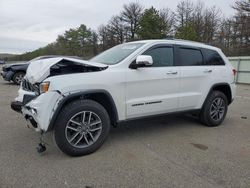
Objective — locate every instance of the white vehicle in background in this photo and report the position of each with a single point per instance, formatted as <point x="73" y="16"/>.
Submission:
<point x="79" y="100"/>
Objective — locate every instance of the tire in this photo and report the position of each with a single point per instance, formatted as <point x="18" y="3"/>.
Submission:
<point x="76" y="138"/>
<point x="214" y="109"/>
<point x="17" y="77"/>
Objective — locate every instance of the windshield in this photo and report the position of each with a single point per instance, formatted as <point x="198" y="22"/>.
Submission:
<point x="116" y="54"/>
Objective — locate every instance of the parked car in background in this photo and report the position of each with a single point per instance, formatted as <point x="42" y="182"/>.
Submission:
<point x="2" y="62"/>
<point x="14" y="72"/>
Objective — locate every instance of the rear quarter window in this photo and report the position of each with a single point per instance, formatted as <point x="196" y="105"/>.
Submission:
<point x="213" y="57"/>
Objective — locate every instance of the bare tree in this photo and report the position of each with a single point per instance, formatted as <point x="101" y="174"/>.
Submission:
<point x="212" y="20"/>
<point x="168" y="16"/>
<point x="184" y="13"/>
<point x="94" y="42"/>
<point x="103" y="37"/>
<point x="242" y="5"/>
<point x="131" y="16"/>
<point x="117" y="29"/>
<point x="198" y="19"/>
<point x="235" y="31"/>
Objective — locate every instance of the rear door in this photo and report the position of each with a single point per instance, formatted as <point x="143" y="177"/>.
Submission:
<point x="214" y="60"/>
<point x="195" y="77"/>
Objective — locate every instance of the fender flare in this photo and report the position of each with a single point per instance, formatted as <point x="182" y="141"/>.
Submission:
<point x="79" y="95"/>
<point x="216" y="85"/>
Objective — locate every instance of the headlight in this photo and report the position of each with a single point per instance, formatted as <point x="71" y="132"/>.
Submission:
<point x="44" y="87"/>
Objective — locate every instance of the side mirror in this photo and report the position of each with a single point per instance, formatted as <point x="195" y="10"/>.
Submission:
<point x="144" y="60"/>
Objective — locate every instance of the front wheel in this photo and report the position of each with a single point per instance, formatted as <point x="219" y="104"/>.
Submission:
<point x="81" y="127"/>
<point x="214" y="109"/>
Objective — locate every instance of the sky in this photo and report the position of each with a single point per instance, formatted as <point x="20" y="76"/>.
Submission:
<point x="26" y="25"/>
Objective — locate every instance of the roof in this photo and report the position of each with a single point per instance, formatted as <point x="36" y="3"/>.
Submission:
<point x="178" y="41"/>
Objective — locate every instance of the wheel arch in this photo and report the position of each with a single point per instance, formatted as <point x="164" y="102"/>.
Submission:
<point x="17" y="71"/>
<point x="19" y="68"/>
<point x="103" y="97"/>
<point x="222" y="87"/>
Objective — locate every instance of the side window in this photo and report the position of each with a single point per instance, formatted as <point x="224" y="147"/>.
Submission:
<point x="190" y="57"/>
<point x="213" y="58"/>
<point x="162" y="56"/>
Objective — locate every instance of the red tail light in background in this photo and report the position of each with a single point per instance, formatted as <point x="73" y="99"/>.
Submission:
<point x="234" y="72"/>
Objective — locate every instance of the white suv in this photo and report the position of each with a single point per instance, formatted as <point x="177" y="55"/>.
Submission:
<point x="79" y="100"/>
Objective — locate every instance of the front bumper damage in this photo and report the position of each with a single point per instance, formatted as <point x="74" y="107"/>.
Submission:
<point x="37" y="109"/>
<point x="16" y="106"/>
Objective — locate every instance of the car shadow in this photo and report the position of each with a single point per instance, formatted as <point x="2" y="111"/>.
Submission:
<point x="149" y="126"/>
<point x="143" y="128"/>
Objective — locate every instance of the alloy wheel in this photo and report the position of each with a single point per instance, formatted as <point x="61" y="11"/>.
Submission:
<point x="217" y="109"/>
<point x="83" y="129"/>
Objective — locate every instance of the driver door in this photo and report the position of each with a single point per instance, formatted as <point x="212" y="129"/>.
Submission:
<point x="155" y="89"/>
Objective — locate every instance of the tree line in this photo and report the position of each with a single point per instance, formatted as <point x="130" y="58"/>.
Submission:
<point x="190" y="21"/>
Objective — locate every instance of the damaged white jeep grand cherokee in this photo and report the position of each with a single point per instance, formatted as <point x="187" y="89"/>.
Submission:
<point x="79" y="100"/>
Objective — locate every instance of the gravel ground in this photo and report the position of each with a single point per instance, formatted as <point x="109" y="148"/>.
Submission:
<point x="171" y="151"/>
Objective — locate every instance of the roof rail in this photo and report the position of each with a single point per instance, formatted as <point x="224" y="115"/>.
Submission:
<point x="188" y="41"/>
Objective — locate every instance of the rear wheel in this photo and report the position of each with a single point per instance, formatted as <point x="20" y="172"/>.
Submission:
<point x="81" y="127"/>
<point x="214" y="109"/>
<point x="18" y="77"/>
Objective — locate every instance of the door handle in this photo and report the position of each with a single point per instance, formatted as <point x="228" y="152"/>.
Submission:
<point x="171" y="72"/>
<point x="207" y="71"/>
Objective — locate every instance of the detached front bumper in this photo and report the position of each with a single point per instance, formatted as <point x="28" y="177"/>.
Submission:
<point x="16" y="106"/>
<point x="37" y="109"/>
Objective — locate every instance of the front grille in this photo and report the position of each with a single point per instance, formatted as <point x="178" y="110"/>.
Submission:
<point x="27" y="86"/>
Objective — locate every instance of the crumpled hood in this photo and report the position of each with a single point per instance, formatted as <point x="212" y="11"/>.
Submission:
<point x="39" y="70"/>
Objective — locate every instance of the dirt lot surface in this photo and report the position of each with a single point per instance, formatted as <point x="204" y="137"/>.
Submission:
<point x="172" y="151"/>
